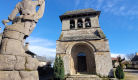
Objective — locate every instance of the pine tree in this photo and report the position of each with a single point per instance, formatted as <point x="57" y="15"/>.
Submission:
<point x="56" y="69"/>
<point x="61" y="64"/>
<point x="119" y="72"/>
<point x="59" y="68"/>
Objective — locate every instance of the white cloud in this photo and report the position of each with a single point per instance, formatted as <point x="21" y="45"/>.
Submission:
<point x="77" y="3"/>
<point x="114" y="7"/>
<point x="42" y="47"/>
<point x="86" y="4"/>
<point x="40" y="42"/>
<point x="117" y="54"/>
<point x="99" y="4"/>
<point x="43" y="51"/>
<point x="130" y="28"/>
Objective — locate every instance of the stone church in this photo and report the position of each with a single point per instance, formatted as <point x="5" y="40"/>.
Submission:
<point x="82" y="44"/>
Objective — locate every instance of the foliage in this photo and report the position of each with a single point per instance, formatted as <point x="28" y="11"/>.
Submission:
<point x="130" y="56"/>
<point x="61" y="65"/>
<point x="119" y="72"/>
<point x="120" y="60"/>
<point x="50" y="60"/>
<point x="58" y="68"/>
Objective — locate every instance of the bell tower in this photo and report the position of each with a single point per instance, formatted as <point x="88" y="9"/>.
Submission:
<point x="81" y="33"/>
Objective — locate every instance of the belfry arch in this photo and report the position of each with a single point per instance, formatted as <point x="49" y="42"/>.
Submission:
<point x="90" y="60"/>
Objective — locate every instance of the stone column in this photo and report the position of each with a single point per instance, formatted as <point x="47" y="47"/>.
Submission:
<point x="76" y="24"/>
<point x="83" y="20"/>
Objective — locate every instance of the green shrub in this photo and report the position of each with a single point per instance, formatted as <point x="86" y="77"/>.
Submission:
<point x="59" y="73"/>
<point x="119" y="72"/>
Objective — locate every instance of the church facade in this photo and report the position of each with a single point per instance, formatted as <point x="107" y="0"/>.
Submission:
<point x="82" y="44"/>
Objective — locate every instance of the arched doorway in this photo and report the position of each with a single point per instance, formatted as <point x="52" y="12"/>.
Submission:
<point x="82" y="67"/>
<point x="88" y="58"/>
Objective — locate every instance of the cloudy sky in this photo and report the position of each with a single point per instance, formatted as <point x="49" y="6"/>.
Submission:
<point x="118" y="20"/>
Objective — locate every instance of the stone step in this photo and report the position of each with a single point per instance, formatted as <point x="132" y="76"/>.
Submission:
<point x="83" y="77"/>
<point x="82" y="73"/>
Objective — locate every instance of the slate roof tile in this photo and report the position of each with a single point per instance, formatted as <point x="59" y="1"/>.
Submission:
<point x="79" y="11"/>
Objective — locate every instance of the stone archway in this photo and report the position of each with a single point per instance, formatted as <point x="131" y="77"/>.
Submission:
<point x="90" y="59"/>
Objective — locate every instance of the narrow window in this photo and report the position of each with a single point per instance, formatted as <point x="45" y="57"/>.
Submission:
<point x="72" y="24"/>
<point x="87" y="22"/>
<point x="80" y="24"/>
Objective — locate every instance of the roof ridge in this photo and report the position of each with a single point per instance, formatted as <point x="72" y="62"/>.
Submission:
<point x="79" y="11"/>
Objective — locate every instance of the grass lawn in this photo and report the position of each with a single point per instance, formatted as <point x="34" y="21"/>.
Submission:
<point x="129" y="76"/>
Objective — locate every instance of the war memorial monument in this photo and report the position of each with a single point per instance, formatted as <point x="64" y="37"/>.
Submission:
<point x="15" y="64"/>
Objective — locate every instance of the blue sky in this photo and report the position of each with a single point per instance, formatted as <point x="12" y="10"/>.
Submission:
<point x="118" y="20"/>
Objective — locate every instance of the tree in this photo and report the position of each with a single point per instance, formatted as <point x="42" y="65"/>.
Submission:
<point x="58" y="68"/>
<point x="130" y="56"/>
<point x="50" y="60"/>
<point x="61" y="65"/>
<point x="119" y="70"/>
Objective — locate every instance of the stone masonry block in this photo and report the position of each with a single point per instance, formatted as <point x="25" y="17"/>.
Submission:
<point x="13" y="35"/>
<point x="7" y="62"/>
<point x="16" y="27"/>
<point x="10" y="75"/>
<point x="20" y="63"/>
<point x="3" y="47"/>
<point x="11" y="46"/>
<point x="29" y="75"/>
<point x="31" y="63"/>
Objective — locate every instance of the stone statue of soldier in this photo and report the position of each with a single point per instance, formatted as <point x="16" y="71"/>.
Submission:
<point x="14" y="62"/>
<point x="28" y="14"/>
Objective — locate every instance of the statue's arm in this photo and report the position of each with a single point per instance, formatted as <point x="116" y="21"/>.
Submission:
<point x="12" y="15"/>
<point x="40" y="12"/>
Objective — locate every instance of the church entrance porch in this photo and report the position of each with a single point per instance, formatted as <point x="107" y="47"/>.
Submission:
<point x="82" y="59"/>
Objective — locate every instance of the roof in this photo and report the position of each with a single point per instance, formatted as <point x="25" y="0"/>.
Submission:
<point x="82" y="34"/>
<point x="80" y="12"/>
<point x="135" y="58"/>
<point x="83" y="37"/>
<point x="28" y="51"/>
<point x="40" y="58"/>
<point x="113" y="58"/>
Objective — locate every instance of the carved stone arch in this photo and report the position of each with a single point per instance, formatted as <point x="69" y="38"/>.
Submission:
<point x="74" y="49"/>
<point x="86" y="42"/>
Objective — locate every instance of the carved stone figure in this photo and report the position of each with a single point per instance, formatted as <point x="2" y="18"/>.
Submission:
<point x="15" y="64"/>
<point x="28" y="14"/>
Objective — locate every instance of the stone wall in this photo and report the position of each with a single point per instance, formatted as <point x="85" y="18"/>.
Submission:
<point x="100" y="63"/>
<point x="99" y="45"/>
<point x="103" y="63"/>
